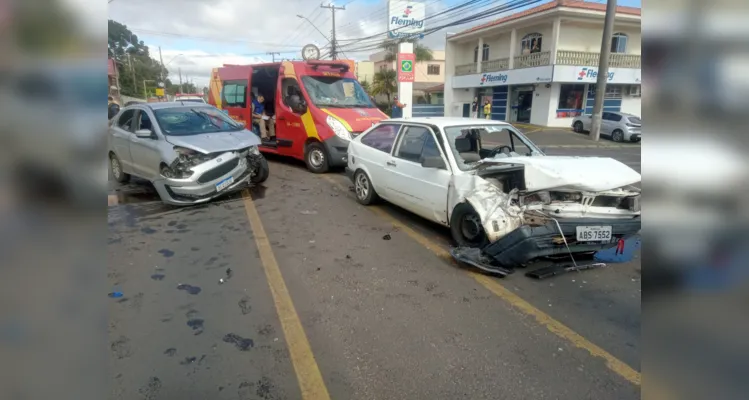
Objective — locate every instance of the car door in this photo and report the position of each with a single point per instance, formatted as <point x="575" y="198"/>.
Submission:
<point x="373" y="151"/>
<point x="607" y="123"/>
<point x="145" y="151"/>
<point x="416" y="188"/>
<point x="121" y="130"/>
<point x="290" y="132"/>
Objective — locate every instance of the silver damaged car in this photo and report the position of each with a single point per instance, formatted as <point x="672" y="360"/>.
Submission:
<point x="191" y="152"/>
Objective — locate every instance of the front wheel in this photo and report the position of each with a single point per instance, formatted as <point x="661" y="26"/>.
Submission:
<point x="578" y="126"/>
<point x="365" y="193"/>
<point x="316" y="158"/>
<point x="618" y="135"/>
<point x="466" y="227"/>
<point x="261" y="172"/>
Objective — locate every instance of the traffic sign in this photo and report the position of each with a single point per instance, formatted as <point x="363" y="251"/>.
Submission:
<point x="406" y="65"/>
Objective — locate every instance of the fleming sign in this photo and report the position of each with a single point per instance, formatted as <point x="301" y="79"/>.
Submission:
<point x="591" y="73"/>
<point x="493" y="78"/>
<point x="405" y="18"/>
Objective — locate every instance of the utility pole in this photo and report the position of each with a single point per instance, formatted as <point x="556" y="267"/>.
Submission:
<point x="273" y="55"/>
<point x="603" y="70"/>
<point x="163" y="67"/>
<point x="181" y="89"/>
<point x="132" y="71"/>
<point x="333" y="50"/>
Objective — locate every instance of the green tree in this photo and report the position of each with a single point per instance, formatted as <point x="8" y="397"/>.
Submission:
<point x="384" y="82"/>
<point x="134" y="62"/>
<point x="422" y="52"/>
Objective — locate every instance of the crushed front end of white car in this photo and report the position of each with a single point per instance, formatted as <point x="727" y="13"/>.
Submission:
<point x="533" y="207"/>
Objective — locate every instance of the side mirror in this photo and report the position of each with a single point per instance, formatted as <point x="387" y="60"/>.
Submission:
<point x="433" y="162"/>
<point x="297" y="105"/>
<point x="144" y="133"/>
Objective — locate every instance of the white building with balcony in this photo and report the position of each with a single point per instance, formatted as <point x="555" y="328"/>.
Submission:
<point x="540" y="65"/>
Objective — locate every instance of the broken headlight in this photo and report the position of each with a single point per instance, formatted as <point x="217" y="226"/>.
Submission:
<point x="253" y="151"/>
<point x="181" y="167"/>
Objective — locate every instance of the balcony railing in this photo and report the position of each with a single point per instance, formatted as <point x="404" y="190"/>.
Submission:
<point x="581" y="58"/>
<point x="533" y="60"/>
<point x="500" y="64"/>
<point x="465" y="69"/>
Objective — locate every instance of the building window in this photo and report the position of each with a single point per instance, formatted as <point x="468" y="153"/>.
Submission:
<point x="570" y="101"/>
<point x="433" y="69"/>
<point x="485" y="53"/>
<point x="619" y="43"/>
<point x="531" y="43"/>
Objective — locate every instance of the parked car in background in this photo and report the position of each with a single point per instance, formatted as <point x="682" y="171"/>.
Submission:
<point x="191" y="153"/>
<point x="495" y="189"/>
<point x="195" y="98"/>
<point x="619" y="126"/>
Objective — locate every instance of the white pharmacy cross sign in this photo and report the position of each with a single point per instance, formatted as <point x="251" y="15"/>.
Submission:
<point x="406" y="19"/>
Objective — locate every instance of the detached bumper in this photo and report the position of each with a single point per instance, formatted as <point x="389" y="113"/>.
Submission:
<point x="337" y="149"/>
<point x="528" y="242"/>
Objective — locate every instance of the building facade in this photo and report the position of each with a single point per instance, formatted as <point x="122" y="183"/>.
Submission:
<point x="365" y="71"/>
<point x="540" y="66"/>
<point x="428" y="74"/>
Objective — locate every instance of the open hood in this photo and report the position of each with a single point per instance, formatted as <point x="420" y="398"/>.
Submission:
<point x="587" y="174"/>
<point x="207" y="143"/>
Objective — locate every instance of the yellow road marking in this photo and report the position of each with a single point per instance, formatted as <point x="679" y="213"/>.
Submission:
<point x="554" y="326"/>
<point x="308" y="373"/>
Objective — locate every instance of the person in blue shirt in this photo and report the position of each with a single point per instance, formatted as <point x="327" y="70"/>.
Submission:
<point x="397" y="111"/>
<point x="260" y="117"/>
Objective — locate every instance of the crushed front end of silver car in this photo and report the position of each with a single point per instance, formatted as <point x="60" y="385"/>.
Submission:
<point x="196" y="177"/>
<point x="532" y="207"/>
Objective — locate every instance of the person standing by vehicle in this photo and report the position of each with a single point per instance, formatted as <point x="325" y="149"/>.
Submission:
<point x="475" y="108"/>
<point x="261" y="118"/>
<point x="487" y="109"/>
<point x="397" y="111"/>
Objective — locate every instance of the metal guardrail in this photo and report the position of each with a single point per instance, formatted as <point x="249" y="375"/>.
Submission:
<point x="466" y="69"/>
<point x="499" y="64"/>
<point x="582" y="58"/>
<point x="533" y="60"/>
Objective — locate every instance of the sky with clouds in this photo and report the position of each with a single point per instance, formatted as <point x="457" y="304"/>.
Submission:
<point x="198" y="35"/>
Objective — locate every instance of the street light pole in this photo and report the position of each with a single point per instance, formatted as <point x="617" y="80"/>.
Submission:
<point x="603" y="70"/>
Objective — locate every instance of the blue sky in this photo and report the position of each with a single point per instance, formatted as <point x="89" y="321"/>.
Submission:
<point x="229" y="29"/>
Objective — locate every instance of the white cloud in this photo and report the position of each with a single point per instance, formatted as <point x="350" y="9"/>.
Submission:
<point x="196" y="65"/>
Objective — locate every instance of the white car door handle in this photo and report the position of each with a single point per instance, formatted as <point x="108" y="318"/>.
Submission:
<point x="391" y="163"/>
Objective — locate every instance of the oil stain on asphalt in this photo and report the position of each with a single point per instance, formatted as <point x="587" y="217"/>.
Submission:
<point x="189" y="288"/>
<point x="239" y="342"/>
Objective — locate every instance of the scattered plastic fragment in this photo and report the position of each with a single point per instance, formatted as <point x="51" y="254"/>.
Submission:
<point x="115" y="295"/>
<point x="308" y="212"/>
<point x="386" y="237"/>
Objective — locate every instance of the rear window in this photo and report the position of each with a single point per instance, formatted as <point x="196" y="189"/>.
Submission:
<point x="635" y="120"/>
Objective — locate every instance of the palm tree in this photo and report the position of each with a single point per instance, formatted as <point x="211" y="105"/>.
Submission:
<point x="422" y="52"/>
<point x="384" y="82"/>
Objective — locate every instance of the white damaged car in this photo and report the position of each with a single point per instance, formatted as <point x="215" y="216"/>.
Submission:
<point x="504" y="200"/>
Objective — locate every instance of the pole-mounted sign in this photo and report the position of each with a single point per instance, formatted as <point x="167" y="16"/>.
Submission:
<point x="406" y="67"/>
<point x="406" y="19"/>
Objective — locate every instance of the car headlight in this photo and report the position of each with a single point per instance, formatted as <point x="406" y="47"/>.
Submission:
<point x="338" y="128"/>
<point x="254" y="151"/>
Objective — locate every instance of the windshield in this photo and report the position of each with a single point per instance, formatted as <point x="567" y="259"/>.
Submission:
<point x="473" y="143"/>
<point x="183" y="121"/>
<point x="328" y="91"/>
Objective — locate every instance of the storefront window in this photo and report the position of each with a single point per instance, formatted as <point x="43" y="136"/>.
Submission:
<point x="570" y="101"/>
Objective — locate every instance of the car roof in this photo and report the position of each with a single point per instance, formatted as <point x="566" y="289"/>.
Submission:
<point x="172" y="104"/>
<point x="446" y="122"/>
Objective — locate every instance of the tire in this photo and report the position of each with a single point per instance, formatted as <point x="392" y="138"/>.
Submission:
<point x="262" y="173"/>
<point x="466" y="229"/>
<point x="364" y="190"/>
<point x="578" y="127"/>
<point x="115" y="166"/>
<point x="617" y="135"/>
<point x="316" y="158"/>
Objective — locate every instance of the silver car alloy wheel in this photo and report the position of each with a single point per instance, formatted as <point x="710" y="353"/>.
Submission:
<point x="361" y="186"/>
<point x="316" y="158"/>
<point x="116" y="171"/>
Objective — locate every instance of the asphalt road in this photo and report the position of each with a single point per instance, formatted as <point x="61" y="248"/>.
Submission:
<point x="317" y="304"/>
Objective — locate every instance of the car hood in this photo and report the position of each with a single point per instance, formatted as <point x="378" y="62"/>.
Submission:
<point x="589" y="174"/>
<point x="216" y="142"/>
<point x="359" y="119"/>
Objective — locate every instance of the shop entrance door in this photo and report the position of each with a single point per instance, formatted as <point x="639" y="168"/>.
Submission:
<point x="521" y="104"/>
